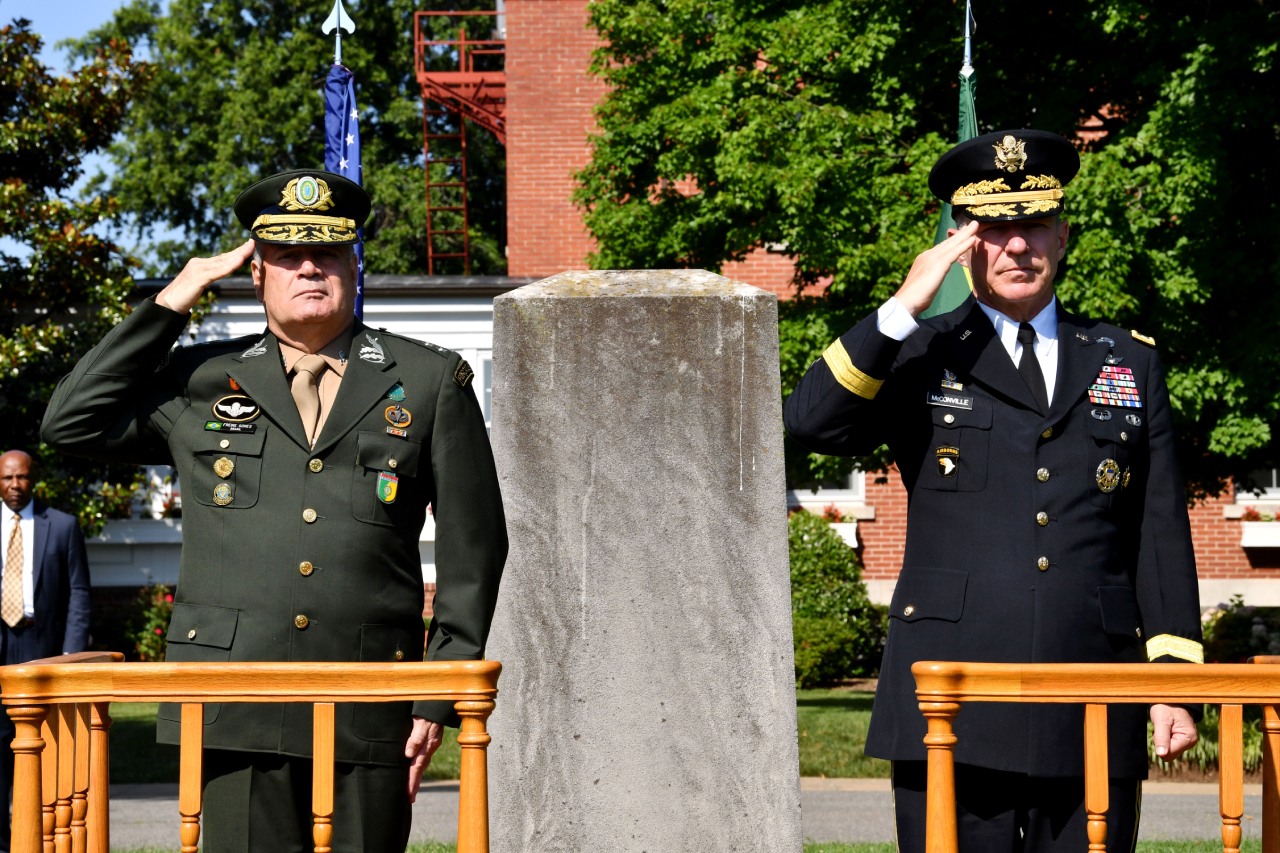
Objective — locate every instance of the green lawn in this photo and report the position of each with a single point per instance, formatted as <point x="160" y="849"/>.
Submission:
<point x="136" y="757"/>
<point x="833" y="730"/>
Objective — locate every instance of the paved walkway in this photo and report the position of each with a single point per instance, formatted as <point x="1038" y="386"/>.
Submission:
<point x="847" y="810"/>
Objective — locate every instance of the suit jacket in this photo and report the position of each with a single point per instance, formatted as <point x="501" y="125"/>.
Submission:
<point x="298" y="554"/>
<point x="60" y="573"/>
<point x="1031" y="538"/>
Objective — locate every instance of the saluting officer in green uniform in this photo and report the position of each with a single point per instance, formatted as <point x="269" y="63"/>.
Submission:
<point x="308" y="456"/>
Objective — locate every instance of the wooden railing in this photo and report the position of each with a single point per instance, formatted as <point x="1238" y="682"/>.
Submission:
<point x="942" y="687"/>
<point x="61" y="710"/>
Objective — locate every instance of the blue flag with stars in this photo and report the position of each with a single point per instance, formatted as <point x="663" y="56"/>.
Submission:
<point x="342" y="148"/>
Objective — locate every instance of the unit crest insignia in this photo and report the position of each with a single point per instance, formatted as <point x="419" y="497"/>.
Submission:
<point x="306" y="193"/>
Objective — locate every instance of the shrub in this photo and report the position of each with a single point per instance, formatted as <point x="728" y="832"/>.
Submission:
<point x="838" y="632"/>
<point x="155" y="605"/>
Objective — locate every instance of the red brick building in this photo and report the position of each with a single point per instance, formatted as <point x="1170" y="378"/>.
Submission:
<point x="550" y="97"/>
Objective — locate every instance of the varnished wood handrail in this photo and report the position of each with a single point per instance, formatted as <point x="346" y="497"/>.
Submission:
<point x="943" y="686"/>
<point x="60" y="797"/>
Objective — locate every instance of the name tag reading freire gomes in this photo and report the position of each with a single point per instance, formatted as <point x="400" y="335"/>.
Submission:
<point x="954" y="401"/>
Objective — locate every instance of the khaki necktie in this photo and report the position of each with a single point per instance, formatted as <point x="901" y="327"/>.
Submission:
<point x="11" y="603"/>
<point x="306" y="391"/>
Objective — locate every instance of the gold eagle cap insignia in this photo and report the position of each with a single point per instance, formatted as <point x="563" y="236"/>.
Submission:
<point x="1011" y="154"/>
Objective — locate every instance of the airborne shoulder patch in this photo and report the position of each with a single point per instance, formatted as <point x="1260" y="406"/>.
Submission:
<point x="1138" y="336"/>
<point x="463" y="374"/>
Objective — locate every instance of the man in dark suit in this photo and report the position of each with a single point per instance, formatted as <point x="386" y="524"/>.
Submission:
<point x="308" y="456"/>
<point x="44" y="605"/>
<point x="1046" y="520"/>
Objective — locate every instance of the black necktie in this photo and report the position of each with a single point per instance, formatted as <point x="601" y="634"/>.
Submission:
<point x="1029" y="367"/>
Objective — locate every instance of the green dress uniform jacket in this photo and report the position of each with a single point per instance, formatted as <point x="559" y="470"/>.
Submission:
<point x="298" y="554"/>
<point x="1031" y="538"/>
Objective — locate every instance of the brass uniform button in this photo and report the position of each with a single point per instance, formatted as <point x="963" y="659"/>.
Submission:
<point x="1043" y="475"/>
<point x="908" y="610"/>
<point x="399" y="655"/>
<point x="309" y="515"/>
<point x="948" y="418"/>
<point x="305" y="568"/>
<point x="1048" y="433"/>
<point x="1042" y="519"/>
<point x="1138" y="631"/>
<point x="191" y="635"/>
<point x="225" y="443"/>
<point x="1124" y="436"/>
<point x="316" y="466"/>
<point x="391" y="463"/>
<point x="301" y="622"/>
<point x="1043" y="564"/>
<point x="224" y="467"/>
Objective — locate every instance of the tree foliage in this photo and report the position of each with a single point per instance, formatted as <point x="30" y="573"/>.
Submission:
<point x="812" y="124"/>
<point x="237" y="95"/>
<point x="62" y="285"/>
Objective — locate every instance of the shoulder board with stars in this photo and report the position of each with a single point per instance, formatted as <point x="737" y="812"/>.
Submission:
<point x="1138" y="336"/>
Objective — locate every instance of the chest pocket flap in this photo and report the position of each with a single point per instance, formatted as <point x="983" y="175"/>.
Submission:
<point x="226" y="468"/>
<point x="929" y="594"/>
<point x="382" y="452"/>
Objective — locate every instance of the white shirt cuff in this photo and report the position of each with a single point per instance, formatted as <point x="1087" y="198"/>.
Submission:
<point x="895" y="321"/>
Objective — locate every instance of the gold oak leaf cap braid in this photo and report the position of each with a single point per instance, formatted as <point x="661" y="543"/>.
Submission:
<point x="304" y="206"/>
<point x="1174" y="647"/>
<point x="850" y="377"/>
<point x="1006" y="175"/>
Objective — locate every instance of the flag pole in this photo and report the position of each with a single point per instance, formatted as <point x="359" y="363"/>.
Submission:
<point x="342" y="129"/>
<point x="956" y="287"/>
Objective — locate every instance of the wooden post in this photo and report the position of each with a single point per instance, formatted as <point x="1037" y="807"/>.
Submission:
<point x="1231" y="774"/>
<point x="191" y="775"/>
<point x="80" y="782"/>
<point x="64" y="726"/>
<point x="940" y="803"/>
<point x="473" y="789"/>
<point x="28" y="720"/>
<point x="322" y="752"/>
<point x="1097" y="775"/>
<point x="99" y="819"/>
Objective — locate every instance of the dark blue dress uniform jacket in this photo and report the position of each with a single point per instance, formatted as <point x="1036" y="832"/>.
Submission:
<point x="304" y="562"/>
<point x="1030" y="538"/>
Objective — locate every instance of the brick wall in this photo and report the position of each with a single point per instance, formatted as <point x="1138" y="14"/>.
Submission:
<point x="549" y="102"/>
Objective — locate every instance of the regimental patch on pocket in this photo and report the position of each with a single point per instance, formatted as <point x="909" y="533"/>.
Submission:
<point x="948" y="460"/>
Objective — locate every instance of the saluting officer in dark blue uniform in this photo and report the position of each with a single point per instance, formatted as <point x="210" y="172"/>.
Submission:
<point x="308" y="455"/>
<point x="1047" y="520"/>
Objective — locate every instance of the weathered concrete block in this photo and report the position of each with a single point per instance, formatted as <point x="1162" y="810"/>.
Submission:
<point x="644" y="626"/>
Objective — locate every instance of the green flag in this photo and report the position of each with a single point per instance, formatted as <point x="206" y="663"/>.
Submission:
<point x="956" y="286"/>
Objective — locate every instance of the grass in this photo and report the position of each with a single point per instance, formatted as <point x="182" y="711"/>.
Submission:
<point x="833" y="731"/>
<point x="136" y="757"/>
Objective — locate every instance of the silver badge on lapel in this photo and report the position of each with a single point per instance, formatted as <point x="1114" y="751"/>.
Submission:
<point x="1108" y="341"/>
<point x="1100" y="414"/>
<point x="372" y="351"/>
<point x="260" y="348"/>
<point x="1133" y="420"/>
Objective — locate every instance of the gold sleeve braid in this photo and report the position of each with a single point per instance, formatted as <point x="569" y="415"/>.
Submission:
<point x="1176" y="647"/>
<point x="853" y="379"/>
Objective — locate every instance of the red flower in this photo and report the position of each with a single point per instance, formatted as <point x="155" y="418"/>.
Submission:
<point x="168" y="599"/>
<point x="159" y="632"/>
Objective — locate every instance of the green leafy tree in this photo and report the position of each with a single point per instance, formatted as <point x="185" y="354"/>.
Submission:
<point x="812" y="124"/>
<point x="237" y="95"/>
<point x="62" y="285"/>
